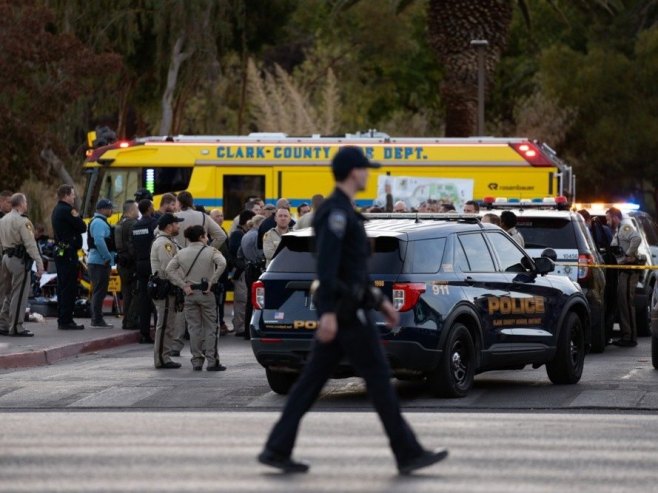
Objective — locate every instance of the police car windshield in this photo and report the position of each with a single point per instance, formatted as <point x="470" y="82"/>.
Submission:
<point x="296" y="255"/>
<point x="544" y="232"/>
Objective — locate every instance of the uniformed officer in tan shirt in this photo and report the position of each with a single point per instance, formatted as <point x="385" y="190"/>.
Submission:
<point x="193" y="217"/>
<point x="272" y="238"/>
<point x="627" y="238"/>
<point x="19" y="252"/>
<point x="196" y="269"/>
<point x="162" y="251"/>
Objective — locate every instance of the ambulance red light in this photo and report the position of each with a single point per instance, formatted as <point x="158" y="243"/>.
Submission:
<point x="531" y="153"/>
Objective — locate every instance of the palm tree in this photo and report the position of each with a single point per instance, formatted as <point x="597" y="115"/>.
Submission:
<point x="452" y="25"/>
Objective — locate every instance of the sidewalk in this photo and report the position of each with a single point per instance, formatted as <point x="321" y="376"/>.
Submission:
<point x="50" y="344"/>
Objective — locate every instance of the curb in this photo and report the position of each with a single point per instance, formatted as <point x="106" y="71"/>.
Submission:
<point x="50" y="355"/>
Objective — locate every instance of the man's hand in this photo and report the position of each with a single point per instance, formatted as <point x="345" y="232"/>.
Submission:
<point x="39" y="273"/>
<point x="188" y="290"/>
<point x="391" y="314"/>
<point x="75" y="213"/>
<point x="327" y="328"/>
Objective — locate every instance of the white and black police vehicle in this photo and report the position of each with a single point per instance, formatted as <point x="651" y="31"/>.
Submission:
<point x="470" y="300"/>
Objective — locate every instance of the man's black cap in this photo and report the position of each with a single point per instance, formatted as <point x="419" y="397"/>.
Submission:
<point x="348" y="158"/>
<point x="142" y="194"/>
<point x="168" y="218"/>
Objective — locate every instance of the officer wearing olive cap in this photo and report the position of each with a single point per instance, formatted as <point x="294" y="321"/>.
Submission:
<point x="343" y="299"/>
<point x="163" y="250"/>
<point x="100" y="259"/>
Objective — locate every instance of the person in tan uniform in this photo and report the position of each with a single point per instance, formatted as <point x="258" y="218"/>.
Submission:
<point x="162" y="251"/>
<point x="192" y="217"/>
<point x="272" y="238"/>
<point x="19" y="252"/>
<point x="188" y="270"/>
<point x="625" y="242"/>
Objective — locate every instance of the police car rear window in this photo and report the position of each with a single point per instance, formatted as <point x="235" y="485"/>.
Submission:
<point x="547" y="232"/>
<point x="296" y="255"/>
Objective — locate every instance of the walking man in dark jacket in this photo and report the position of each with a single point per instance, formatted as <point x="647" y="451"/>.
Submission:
<point x="343" y="299"/>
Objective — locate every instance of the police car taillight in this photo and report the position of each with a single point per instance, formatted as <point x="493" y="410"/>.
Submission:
<point x="406" y="295"/>
<point x="258" y="295"/>
<point x="584" y="261"/>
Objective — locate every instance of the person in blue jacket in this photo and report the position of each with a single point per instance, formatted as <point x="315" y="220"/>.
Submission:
<point x="100" y="260"/>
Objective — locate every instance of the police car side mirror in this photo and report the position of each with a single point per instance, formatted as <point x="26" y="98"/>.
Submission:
<point x="544" y="265"/>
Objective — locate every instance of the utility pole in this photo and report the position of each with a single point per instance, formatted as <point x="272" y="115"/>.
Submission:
<point x="480" y="45"/>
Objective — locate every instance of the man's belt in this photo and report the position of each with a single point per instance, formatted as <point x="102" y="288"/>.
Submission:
<point x="17" y="251"/>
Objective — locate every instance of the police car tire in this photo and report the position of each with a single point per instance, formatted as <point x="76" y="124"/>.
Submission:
<point x="456" y="371"/>
<point x="643" y="318"/>
<point x="567" y="366"/>
<point x="598" y="336"/>
<point x="654" y="351"/>
<point x="280" y="382"/>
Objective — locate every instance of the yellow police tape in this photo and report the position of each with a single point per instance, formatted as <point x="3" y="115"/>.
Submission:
<point x="609" y="266"/>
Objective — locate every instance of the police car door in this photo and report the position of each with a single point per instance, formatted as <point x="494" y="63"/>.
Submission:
<point x="524" y="316"/>
<point x="483" y="285"/>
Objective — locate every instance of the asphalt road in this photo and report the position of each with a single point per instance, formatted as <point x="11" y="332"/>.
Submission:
<point x="124" y="378"/>
<point x="215" y="452"/>
<point x="109" y="422"/>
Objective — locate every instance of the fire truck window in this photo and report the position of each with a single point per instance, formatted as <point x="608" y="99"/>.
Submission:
<point x="238" y="189"/>
<point x="166" y="180"/>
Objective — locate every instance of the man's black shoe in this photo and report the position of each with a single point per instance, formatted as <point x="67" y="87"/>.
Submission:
<point x="146" y="340"/>
<point x="4" y="332"/>
<point x="71" y="326"/>
<point x="22" y="333"/>
<point x="217" y="367"/>
<point x="286" y="464"/>
<point x="624" y="343"/>
<point x="427" y="458"/>
<point x="197" y="368"/>
<point x="169" y="365"/>
<point x="239" y="334"/>
<point x="174" y="353"/>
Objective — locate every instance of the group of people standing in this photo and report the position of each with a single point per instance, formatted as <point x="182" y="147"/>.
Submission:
<point x="253" y="240"/>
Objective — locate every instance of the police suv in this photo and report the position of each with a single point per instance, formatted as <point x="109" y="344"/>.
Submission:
<point x="470" y="300"/>
<point x="548" y="224"/>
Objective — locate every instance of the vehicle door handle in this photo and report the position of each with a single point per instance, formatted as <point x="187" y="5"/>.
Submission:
<point x="469" y="280"/>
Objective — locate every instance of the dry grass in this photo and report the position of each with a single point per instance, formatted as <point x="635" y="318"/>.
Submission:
<point x="280" y="103"/>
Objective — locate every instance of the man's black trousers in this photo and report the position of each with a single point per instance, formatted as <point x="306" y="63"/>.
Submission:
<point x="360" y="343"/>
<point x="67" y="288"/>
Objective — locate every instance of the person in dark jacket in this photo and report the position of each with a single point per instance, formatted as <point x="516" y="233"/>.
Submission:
<point x="143" y="235"/>
<point x="68" y="227"/>
<point x="239" y="285"/>
<point x="343" y="299"/>
<point x="123" y="239"/>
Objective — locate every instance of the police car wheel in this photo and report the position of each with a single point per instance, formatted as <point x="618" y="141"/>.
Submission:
<point x="643" y="316"/>
<point x="280" y="382"/>
<point x="654" y="351"/>
<point x="454" y="376"/>
<point x="567" y="365"/>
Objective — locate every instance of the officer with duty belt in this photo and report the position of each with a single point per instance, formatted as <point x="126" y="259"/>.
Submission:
<point x="163" y="250"/>
<point x="19" y="251"/>
<point x="345" y="328"/>
<point x="68" y="227"/>
<point x="188" y="270"/>
<point x="627" y="240"/>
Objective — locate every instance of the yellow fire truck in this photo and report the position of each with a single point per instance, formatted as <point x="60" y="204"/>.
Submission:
<point x="224" y="171"/>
